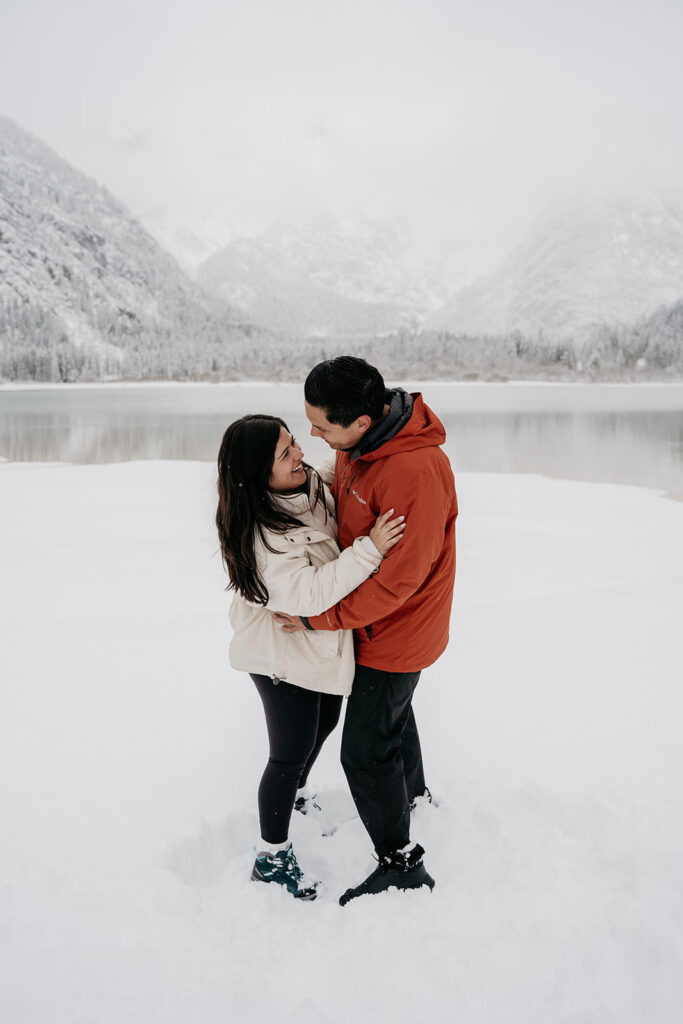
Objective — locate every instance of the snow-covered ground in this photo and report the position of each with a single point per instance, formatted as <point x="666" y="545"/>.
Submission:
<point x="130" y="755"/>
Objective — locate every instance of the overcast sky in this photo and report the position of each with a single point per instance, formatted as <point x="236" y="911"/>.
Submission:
<point x="461" y="117"/>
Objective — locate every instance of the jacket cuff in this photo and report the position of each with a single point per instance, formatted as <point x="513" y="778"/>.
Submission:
<point x="366" y="551"/>
<point x="306" y="623"/>
<point x="322" y="621"/>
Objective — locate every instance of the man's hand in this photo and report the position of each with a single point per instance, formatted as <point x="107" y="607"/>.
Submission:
<point x="290" y="623"/>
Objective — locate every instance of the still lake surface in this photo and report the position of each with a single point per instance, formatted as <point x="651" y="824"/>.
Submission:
<point x="609" y="433"/>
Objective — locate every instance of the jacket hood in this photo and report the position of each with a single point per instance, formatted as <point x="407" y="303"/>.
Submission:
<point x="420" y="428"/>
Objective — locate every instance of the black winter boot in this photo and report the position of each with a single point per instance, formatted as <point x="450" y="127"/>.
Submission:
<point x="309" y="806"/>
<point x="425" y="798"/>
<point x="401" y="869"/>
<point x="304" y="804"/>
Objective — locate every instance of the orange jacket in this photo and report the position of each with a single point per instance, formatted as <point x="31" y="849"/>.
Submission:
<point x="401" y="614"/>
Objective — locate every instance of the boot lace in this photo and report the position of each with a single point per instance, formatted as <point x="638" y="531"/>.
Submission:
<point x="291" y="865"/>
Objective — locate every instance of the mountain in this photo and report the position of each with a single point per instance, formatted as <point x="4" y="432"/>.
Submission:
<point x="352" y="280"/>
<point x="605" y="261"/>
<point x="85" y="291"/>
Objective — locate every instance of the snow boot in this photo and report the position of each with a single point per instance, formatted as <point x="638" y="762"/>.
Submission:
<point x="402" y="869"/>
<point x="282" y="868"/>
<point x="307" y="803"/>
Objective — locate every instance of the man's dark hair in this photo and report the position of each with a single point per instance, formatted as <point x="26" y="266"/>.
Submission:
<point x="346" y="388"/>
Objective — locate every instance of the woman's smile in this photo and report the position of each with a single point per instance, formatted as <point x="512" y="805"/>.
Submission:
<point x="288" y="462"/>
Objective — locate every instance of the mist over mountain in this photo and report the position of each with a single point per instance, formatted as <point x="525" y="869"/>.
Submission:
<point x="587" y="264"/>
<point x="349" y="279"/>
<point x="85" y="291"/>
<point x="189" y="236"/>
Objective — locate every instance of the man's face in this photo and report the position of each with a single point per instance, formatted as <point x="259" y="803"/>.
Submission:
<point x="338" y="437"/>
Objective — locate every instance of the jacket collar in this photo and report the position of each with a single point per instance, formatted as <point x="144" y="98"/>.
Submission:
<point x="299" y="503"/>
<point x="400" y="410"/>
<point x="422" y="428"/>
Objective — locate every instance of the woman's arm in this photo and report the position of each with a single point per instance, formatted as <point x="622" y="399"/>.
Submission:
<point x="296" y="586"/>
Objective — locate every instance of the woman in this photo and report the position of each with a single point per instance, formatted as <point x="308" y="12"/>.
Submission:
<point x="278" y="537"/>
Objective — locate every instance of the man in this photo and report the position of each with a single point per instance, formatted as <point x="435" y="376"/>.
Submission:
<point x="388" y="456"/>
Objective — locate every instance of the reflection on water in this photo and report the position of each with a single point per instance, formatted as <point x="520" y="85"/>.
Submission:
<point x="635" y="448"/>
<point x="117" y="437"/>
<point x="617" y="435"/>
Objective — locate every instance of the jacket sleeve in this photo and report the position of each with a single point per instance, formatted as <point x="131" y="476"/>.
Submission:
<point x="299" y="588"/>
<point x="406" y="567"/>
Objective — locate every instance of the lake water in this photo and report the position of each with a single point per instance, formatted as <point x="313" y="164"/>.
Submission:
<point x="611" y="433"/>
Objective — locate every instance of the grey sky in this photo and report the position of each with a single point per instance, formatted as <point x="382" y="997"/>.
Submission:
<point x="461" y="117"/>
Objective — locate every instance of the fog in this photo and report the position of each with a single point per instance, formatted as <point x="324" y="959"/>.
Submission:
<point x="459" y="120"/>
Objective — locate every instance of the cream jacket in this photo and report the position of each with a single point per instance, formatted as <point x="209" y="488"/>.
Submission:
<point x="305" y="575"/>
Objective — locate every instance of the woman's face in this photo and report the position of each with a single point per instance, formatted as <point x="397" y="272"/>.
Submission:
<point x="287" y="472"/>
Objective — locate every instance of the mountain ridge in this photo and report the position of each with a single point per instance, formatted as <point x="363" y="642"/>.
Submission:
<point x="605" y="261"/>
<point x="85" y="291"/>
<point x="338" y="279"/>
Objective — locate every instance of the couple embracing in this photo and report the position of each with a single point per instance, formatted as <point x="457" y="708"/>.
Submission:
<point x="343" y="581"/>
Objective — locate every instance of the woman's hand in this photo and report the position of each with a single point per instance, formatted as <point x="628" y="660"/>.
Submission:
<point x="387" y="531"/>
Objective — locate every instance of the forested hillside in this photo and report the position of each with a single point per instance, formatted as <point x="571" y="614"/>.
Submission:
<point x="86" y="293"/>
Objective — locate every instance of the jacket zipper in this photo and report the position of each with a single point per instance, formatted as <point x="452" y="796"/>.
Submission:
<point x="353" y="476"/>
<point x="367" y="629"/>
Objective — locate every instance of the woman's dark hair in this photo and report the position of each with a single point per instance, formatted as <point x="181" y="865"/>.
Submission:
<point x="346" y="388"/>
<point x="245" y="502"/>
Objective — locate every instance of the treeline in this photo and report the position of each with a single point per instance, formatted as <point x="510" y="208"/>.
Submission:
<point x="651" y="349"/>
<point x="34" y="346"/>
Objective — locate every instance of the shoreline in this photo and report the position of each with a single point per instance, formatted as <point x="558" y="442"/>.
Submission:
<point x="425" y="382"/>
<point x="454" y="397"/>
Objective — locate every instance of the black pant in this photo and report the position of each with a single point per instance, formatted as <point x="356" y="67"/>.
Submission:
<point x="298" y="721"/>
<point x="381" y="754"/>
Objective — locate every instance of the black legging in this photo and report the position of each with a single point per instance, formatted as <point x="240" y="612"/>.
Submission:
<point x="299" y="721"/>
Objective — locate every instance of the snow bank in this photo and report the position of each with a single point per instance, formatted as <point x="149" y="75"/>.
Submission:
<point x="130" y="755"/>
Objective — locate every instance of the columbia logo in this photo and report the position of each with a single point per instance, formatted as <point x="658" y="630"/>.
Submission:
<point x="356" y="495"/>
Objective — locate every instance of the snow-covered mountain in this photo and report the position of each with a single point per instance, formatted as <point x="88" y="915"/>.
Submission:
<point x="340" y="279"/>
<point x="84" y="288"/>
<point x="604" y="261"/>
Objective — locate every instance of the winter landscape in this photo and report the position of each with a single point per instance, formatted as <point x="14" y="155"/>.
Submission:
<point x="469" y="218"/>
<point x="87" y="293"/>
<point x="130" y="753"/>
<point x="197" y="204"/>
